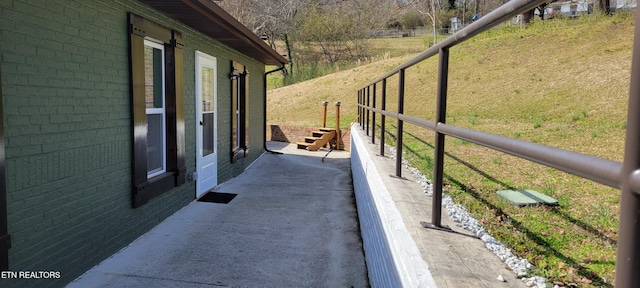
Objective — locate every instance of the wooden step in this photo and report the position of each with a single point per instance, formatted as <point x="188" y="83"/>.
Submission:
<point x="309" y="139"/>
<point x="308" y="146"/>
<point x="319" y="139"/>
<point x="318" y="133"/>
<point x="303" y="145"/>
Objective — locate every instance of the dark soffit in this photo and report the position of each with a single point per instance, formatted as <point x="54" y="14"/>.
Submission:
<point x="208" y="18"/>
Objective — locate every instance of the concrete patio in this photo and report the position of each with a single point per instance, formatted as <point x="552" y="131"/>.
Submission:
<point x="293" y="223"/>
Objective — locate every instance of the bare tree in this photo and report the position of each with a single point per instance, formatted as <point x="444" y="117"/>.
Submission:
<point x="526" y="17"/>
<point x="273" y="20"/>
<point x="342" y="28"/>
<point x="339" y="27"/>
<point x="240" y="9"/>
<point x="269" y="19"/>
<point x="277" y="21"/>
<point x="605" y="6"/>
<point x="428" y="9"/>
<point x="529" y="15"/>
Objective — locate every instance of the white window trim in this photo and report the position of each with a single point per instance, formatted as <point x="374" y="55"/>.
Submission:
<point x="162" y="111"/>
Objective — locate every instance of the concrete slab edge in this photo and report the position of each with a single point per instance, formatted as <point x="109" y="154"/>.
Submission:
<point x="393" y="258"/>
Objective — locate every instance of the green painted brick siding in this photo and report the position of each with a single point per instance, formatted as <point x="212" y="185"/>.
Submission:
<point x="65" y="78"/>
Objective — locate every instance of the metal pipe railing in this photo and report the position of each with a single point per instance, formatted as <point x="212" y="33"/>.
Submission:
<point x="600" y="170"/>
<point x="405" y="118"/>
<point x="367" y="116"/>
<point x="360" y="109"/>
<point x="383" y="105"/>
<point x="399" y="124"/>
<point x="438" y="161"/>
<point x="628" y="254"/>
<point x="625" y="176"/>
<point x="373" y="117"/>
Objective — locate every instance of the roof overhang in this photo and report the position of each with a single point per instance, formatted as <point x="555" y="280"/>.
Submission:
<point x="213" y="21"/>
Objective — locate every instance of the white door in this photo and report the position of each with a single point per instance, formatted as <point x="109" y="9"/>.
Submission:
<point x="206" y="123"/>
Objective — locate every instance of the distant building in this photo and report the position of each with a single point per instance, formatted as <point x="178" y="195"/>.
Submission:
<point x="623" y="4"/>
<point x="455" y="25"/>
<point x="568" y="8"/>
<point x="575" y="8"/>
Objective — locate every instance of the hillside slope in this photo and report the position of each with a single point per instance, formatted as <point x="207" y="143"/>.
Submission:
<point x="300" y="104"/>
<point x="552" y="71"/>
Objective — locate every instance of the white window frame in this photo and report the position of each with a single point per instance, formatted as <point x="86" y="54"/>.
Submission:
<point x="159" y="111"/>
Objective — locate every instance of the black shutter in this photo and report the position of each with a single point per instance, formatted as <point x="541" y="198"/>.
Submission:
<point x="146" y="189"/>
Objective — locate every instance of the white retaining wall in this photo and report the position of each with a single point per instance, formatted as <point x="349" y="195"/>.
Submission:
<point x="393" y="259"/>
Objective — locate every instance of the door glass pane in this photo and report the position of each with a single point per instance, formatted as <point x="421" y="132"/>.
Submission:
<point x="208" y="116"/>
<point x="155" y="145"/>
<point x="208" y="140"/>
<point x="207" y="89"/>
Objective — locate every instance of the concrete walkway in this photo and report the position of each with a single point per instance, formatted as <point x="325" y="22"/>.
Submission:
<point x="292" y="224"/>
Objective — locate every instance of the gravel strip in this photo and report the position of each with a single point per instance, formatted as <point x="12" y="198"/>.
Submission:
<point x="462" y="218"/>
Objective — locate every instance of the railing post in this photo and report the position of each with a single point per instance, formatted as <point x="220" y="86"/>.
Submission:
<point x="367" y="118"/>
<point x="399" y="132"/>
<point x="362" y="109"/>
<point x="373" y="116"/>
<point x="628" y="254"/>
<point x="324" y="114"/>
<point x="358" y="118"/>
<point x="383" y="105"/>
<point x="438" y="161"/>
<point x="338" y="133"/>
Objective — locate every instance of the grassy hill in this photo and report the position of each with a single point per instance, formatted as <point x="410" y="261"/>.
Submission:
<point x="560" y="83"/>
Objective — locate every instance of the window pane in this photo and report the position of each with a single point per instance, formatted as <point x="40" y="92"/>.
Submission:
<point x="153" y="76"/>
<point x="207" y="134"/>
<point x="155" y="144"/>
<point x="234" y="117"/>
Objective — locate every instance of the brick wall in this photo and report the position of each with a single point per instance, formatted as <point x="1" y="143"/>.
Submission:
<point x="66" y="93"/>
<point x="293" y="134"/>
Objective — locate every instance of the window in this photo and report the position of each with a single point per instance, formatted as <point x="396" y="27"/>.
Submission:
<point x="239" y="116"/>
<point x="157" y="109"/>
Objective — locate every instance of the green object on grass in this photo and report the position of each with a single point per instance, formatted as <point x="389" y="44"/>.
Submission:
<point x="527" y="197"/>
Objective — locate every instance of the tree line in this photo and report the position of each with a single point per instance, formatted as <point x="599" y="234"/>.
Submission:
<point x="330" y="31"/>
